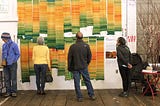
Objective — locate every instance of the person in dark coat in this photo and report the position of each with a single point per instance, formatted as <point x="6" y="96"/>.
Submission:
<point x="124" y="59"/>
<point x="79" y="57"/>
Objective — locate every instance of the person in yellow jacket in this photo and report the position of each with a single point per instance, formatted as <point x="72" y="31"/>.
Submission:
<point x="41" y="61"/>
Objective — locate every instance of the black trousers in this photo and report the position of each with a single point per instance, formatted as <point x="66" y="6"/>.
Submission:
<point x="126" y="78"/>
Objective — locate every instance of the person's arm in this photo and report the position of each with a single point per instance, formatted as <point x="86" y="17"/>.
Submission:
<point x="70" y="59"/>
<point x="16" y="52"/>
<point x="129" y="64"/>
<point x="89" y="55"/>
<point x="48" y="59"/>
<point x="4" y="55"/>
<point x="33" y="57"/>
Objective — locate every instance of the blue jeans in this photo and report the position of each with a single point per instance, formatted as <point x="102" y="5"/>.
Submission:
<point x="86" y="78"/>
<point x="10" y="74"/>
<point x="40" y="70"/>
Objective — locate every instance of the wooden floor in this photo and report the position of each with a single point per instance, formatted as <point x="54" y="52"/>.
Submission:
<point x="108" y="97"/>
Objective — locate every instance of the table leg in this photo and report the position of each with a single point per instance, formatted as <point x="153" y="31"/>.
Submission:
<point x="149" y="87"/>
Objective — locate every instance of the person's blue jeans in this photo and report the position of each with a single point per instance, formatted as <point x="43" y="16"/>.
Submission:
<point x="40" y="70"/>
<point x="10" y="74"/>
<point x="86" y="78"/>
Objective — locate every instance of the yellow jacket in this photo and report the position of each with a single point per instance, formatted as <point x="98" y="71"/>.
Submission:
<point x="41" y="55"/>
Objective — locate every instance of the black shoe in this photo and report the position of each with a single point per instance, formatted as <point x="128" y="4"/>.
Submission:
<point x="93" y="97"/>
<point x="14" y="95"/>
<point x="43" y="93"/>
<point x="123" y="94"/>
<point x="80" y="99"/>
<point x="38" y="92"/>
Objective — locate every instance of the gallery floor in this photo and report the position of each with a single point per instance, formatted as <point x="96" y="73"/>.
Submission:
<point x="106" y="97"/>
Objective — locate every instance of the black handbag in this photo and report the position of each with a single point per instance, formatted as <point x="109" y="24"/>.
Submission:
<point x="49" y="78"/>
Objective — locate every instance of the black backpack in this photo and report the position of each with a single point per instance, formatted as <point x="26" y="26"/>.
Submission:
<point x="138" y="66"/>
<point x="135" y="59"/>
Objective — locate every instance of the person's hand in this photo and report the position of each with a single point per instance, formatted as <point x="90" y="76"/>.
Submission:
<point x="49" y="69"/>
<point x="3" y="63"/>
<point x="129" y="66"/>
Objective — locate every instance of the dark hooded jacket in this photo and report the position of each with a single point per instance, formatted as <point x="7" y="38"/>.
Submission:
<point x="123" y="55"/>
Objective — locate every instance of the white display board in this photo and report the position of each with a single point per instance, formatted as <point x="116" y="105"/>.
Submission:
<point x="112" y="79"/>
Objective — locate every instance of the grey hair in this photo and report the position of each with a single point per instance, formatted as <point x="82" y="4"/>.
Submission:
<point x="40" y="40"/>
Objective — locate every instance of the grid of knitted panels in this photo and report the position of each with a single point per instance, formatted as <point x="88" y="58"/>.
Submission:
<point x="54" y="18"/>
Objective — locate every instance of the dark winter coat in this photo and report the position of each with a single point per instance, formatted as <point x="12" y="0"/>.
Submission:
<point x="79" y="56"/>
<point x="123" y="55"/>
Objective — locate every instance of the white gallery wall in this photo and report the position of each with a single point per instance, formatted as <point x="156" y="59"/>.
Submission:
<point x="112" y="79"/>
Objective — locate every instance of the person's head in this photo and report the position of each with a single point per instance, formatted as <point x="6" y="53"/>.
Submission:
<point x="121" y="41"/>
<point x="40" y="40"/>
<point x="79" y="35"/>
<point x="5" y="36"/>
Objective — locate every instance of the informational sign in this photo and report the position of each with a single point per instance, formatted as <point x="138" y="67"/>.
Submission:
<point x="4" y="7"/>
<point x="131" y="25"/>
<point x="8" y="10"/>
<point x="110" y="46"/>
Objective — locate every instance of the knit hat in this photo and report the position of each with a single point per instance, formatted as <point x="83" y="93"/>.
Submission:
<point x="5" y="35"/>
